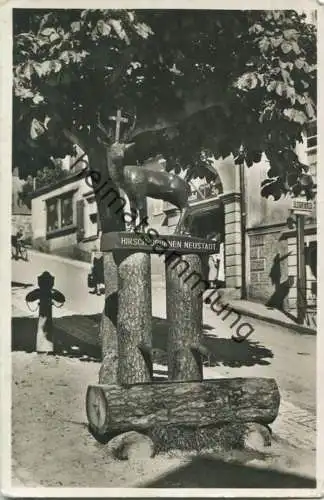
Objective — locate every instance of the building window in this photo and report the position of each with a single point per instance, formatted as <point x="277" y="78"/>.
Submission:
<point x="90" y="218"/>
<point x="205" y="191"/>
<point x="158" y="207"/>
<point x="52" y="215"/>
<point x="66" y="211"/>
<point x="311" y="149"/>
<point x="59" y="212"/>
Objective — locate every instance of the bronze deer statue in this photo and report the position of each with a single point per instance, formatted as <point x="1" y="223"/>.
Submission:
<point x="141" y="181"/>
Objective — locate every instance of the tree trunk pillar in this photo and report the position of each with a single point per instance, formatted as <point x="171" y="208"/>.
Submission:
<point x="134" y="318"/>
<point x="184" y="315"/>
<point x="108" y="327"/>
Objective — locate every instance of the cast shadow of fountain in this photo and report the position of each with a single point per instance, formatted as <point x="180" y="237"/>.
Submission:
<point x="82" y="341"/>
<point x="18" y="284"/>
<point x="23" y="334"/>
<point x="213" y="472"/>
<point x="66" y="344"/>
<point x="75" y="335"/>
<point x="222" y="351"/>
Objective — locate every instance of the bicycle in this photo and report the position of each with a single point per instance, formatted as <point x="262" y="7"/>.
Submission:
<point x="19" y="251"/>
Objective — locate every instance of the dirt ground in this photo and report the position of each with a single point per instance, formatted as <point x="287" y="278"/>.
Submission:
<point x="52" y="446"/>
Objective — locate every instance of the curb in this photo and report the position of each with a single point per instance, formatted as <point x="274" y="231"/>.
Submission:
<point x="305" y="330"/>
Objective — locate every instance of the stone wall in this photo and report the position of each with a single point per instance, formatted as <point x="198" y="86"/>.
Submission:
<point x="233" y="242"/>
<point x="267" y="236"/>
<point x="63" y="245"/>
<point x="66" y="246"/>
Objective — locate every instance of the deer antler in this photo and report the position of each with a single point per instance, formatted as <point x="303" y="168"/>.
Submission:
<point x="104" y="143"/>
<point x="130" y="130"/>
<point x="101" y="125"/>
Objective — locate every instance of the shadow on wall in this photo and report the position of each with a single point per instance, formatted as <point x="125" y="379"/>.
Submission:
<point x="281" y="288"/>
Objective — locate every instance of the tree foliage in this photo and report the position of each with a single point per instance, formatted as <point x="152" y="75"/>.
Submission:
<point x="194" y="84"/>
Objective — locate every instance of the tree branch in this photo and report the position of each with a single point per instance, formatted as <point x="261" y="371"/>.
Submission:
<point x="190" y="108"/>
<point x="101" y="125"/>
<point x="74" y="136"/>
<point x="131" y="129"/>
<point x="122" y="66"/>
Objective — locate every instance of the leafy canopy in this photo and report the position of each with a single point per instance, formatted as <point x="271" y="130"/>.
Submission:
<point x="193" y="84"/>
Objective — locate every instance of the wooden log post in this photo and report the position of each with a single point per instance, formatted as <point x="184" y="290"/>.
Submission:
<point x="109" y="207"/>
<point x="108" y="372"/>
<point x="184" y="287"/>
<point x="114" y="409"/>
<point x="134" y="318"/>
<point x="184" y="315"/>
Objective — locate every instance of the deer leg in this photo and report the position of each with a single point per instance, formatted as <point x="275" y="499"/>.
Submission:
<point x="180" y="227"/>
<point x="131" y="225"/>
<point x="142" y="216"/>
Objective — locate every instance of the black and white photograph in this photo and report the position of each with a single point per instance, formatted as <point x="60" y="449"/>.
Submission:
<point x="160" y="169"/>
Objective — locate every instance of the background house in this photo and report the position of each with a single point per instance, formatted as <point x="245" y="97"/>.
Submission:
<point x="20" y="211"/>
<point x="64" y="214"/>
<point x="214" y="208"/>
<point x="259" y="250"/>
<point x="271" y="247"/>
<point x="260" y="255"/>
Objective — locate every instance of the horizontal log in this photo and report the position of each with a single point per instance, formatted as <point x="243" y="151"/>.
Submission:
<point x="114" y="409"/>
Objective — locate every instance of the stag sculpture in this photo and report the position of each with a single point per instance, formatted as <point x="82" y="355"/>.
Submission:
<point x="141" y="181"/>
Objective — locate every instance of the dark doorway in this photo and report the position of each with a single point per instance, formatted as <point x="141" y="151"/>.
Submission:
<point x="207" y="223"/>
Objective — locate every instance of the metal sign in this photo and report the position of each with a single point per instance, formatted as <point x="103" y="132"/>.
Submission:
<point x="146" y="242"/>
<point x="300" y="206"/>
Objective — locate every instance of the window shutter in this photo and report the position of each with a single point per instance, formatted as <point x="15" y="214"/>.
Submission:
<point x="80" y="219"/>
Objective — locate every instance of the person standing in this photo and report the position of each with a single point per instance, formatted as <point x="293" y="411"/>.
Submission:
<point x="216" y="275"/>
<point x="221" y="266"/>
<point x="98" y="274"/>
<point x="16" y="241"/>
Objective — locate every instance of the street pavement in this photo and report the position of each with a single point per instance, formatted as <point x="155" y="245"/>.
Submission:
<point x="270" y="351"/>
